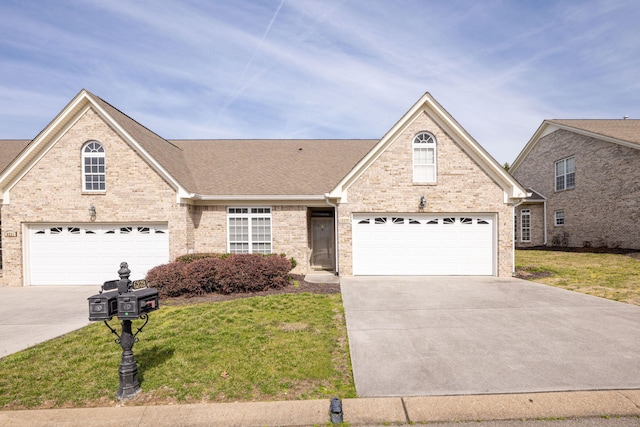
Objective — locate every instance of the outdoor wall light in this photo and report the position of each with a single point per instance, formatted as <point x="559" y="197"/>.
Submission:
<point x="423" y="203"/>
<point x="92" y="213"/>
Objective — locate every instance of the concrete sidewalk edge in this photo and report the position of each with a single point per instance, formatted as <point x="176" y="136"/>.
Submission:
<point x="394" y="410"/>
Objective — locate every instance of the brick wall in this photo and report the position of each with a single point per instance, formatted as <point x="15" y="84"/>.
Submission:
<point x="289" y="231"/>
<point x="387" y="186"/>
<point x="51" y="191"/>
<point x="537" y="225"/>
<point x="604" y="207"/>
<point x="290" y="234"/>
<point x="210" y="229"/>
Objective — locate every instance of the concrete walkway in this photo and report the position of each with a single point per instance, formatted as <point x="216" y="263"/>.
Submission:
<point x="434" y="336"/>
<point x="380" y="411"/>
<point x="33" y="314"/>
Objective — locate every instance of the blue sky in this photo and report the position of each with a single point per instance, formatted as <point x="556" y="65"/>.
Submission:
<point x="321" y="68"/>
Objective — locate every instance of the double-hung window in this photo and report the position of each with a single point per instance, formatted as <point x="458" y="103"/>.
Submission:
<point x="93" y="165"/>
<point x="525" y="225"/>
<point x="249" y="230"/>
<point x="558" y="217"/>
<point x="424" y="158"/>
<point x="565" y="173"/>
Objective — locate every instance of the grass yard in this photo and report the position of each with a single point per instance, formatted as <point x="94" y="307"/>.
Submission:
<point x="278" y="347"/>
<point x="611" y="276"/>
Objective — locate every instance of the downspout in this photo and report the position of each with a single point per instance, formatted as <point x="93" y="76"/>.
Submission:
<point x="335" y="231"/>
<point x="544" y="220"/>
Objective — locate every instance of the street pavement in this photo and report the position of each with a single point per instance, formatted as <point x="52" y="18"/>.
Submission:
<point x="567" y="422"/>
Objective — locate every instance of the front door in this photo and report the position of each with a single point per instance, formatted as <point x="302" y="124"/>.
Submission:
<point x="323" y="251"/>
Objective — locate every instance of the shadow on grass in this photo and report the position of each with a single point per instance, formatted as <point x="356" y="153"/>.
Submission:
<point x="149" y="358"/>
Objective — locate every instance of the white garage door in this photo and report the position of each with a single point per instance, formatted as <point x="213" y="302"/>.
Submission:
<point x="401" y="244"/>
<point x="91" y="254"/>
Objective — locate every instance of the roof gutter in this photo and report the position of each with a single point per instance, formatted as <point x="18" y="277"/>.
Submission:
<point x="254" y="197"/>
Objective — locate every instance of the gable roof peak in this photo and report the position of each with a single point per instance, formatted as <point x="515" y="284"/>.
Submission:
<point x="427" y="104"/>
<point x="625" y="132"/>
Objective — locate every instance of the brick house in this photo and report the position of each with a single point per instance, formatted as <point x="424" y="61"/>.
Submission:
<point x="95" y="188"/>
<point x="584" y="180"/>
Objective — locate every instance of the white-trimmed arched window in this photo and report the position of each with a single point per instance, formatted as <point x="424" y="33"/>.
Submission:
<point x="93" y="166"/>
<point x="424" y="158"/>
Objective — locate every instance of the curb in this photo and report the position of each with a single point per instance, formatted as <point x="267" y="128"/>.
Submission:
<point x="389" y="410"/>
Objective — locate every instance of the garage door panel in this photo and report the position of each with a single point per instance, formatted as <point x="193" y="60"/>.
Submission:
<point x="423" y="245"/>
<point x="91" y="254"/>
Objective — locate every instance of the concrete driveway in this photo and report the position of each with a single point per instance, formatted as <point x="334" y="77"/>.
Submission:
<point x="34" y="314"/>
<point x="421" y="336"/>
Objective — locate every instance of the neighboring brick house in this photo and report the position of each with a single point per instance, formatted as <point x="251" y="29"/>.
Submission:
<point x="584" y="177"/>
<point x="95" y="188"/>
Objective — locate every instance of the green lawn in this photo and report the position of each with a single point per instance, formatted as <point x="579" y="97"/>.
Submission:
<point x="611" y="276"/>
<point x="261" y="348"/>
<point x="291" y="346"/>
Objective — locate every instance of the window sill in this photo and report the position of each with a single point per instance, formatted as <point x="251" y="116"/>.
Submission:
<point x="422" y="184"/>
<point x="93" y="193"/>
<point x="565" y="189"/>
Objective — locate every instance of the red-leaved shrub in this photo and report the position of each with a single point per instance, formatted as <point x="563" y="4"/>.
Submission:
<point x="252" y="273"/>
<point x="201" y="275"/>
<point x="197" y="275"/>
<point x="169" y="279"/>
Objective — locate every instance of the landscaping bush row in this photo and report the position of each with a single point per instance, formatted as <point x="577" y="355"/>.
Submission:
<point x="198" y="274"/>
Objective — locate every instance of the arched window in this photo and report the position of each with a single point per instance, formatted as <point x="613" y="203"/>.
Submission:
<point x="93" y="165"/>
<point x="424" y="158"/>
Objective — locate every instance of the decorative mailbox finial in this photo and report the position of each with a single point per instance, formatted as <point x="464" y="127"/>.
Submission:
<point x="124" y="271"/>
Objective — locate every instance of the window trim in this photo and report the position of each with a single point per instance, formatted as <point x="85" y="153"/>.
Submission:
<point x="525" y="227"/>
<point x="565" y="175"/>
<point x="252" y="214"/>
<point x="94" y="155"/>
<point x="559" y="218"/>
<point x="424" y="140"/>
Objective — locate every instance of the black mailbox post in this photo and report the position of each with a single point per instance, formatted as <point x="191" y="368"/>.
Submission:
<point x="127" y="302"/>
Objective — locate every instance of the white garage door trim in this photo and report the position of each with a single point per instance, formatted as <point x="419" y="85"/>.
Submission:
<point x="90" y="254"/>
<point x="424" y="244"/>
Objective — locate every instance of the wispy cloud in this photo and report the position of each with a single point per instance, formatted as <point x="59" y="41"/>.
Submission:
<point x="323" y="69"/>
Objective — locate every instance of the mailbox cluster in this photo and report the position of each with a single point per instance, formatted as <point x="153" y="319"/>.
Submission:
<point x="129" y="304"/>
<point x="129" y="301"/>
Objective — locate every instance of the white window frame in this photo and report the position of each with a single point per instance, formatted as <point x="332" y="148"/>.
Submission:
<point x="558" y="218"/>
<point x="95" y="177"/>
<point x="424" y="168"/>
<point x="565" y="173"/>
<point x="525" y="225"/>
<point x="257" y="237"/>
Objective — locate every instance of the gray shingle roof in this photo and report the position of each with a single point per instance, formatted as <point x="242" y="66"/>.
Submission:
<point x="9" y="150"/>
<point x="625" y="130"/>
<point x="167" y="154"/>
<point x="535" y="196"/>
<point x="248" y="167"/>
<point x="270" y="167"/>
<point x="257" y="167"/>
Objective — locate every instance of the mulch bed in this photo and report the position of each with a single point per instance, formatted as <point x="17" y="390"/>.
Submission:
<point x="297" y="285"/>
<point x="583" y="249"/>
